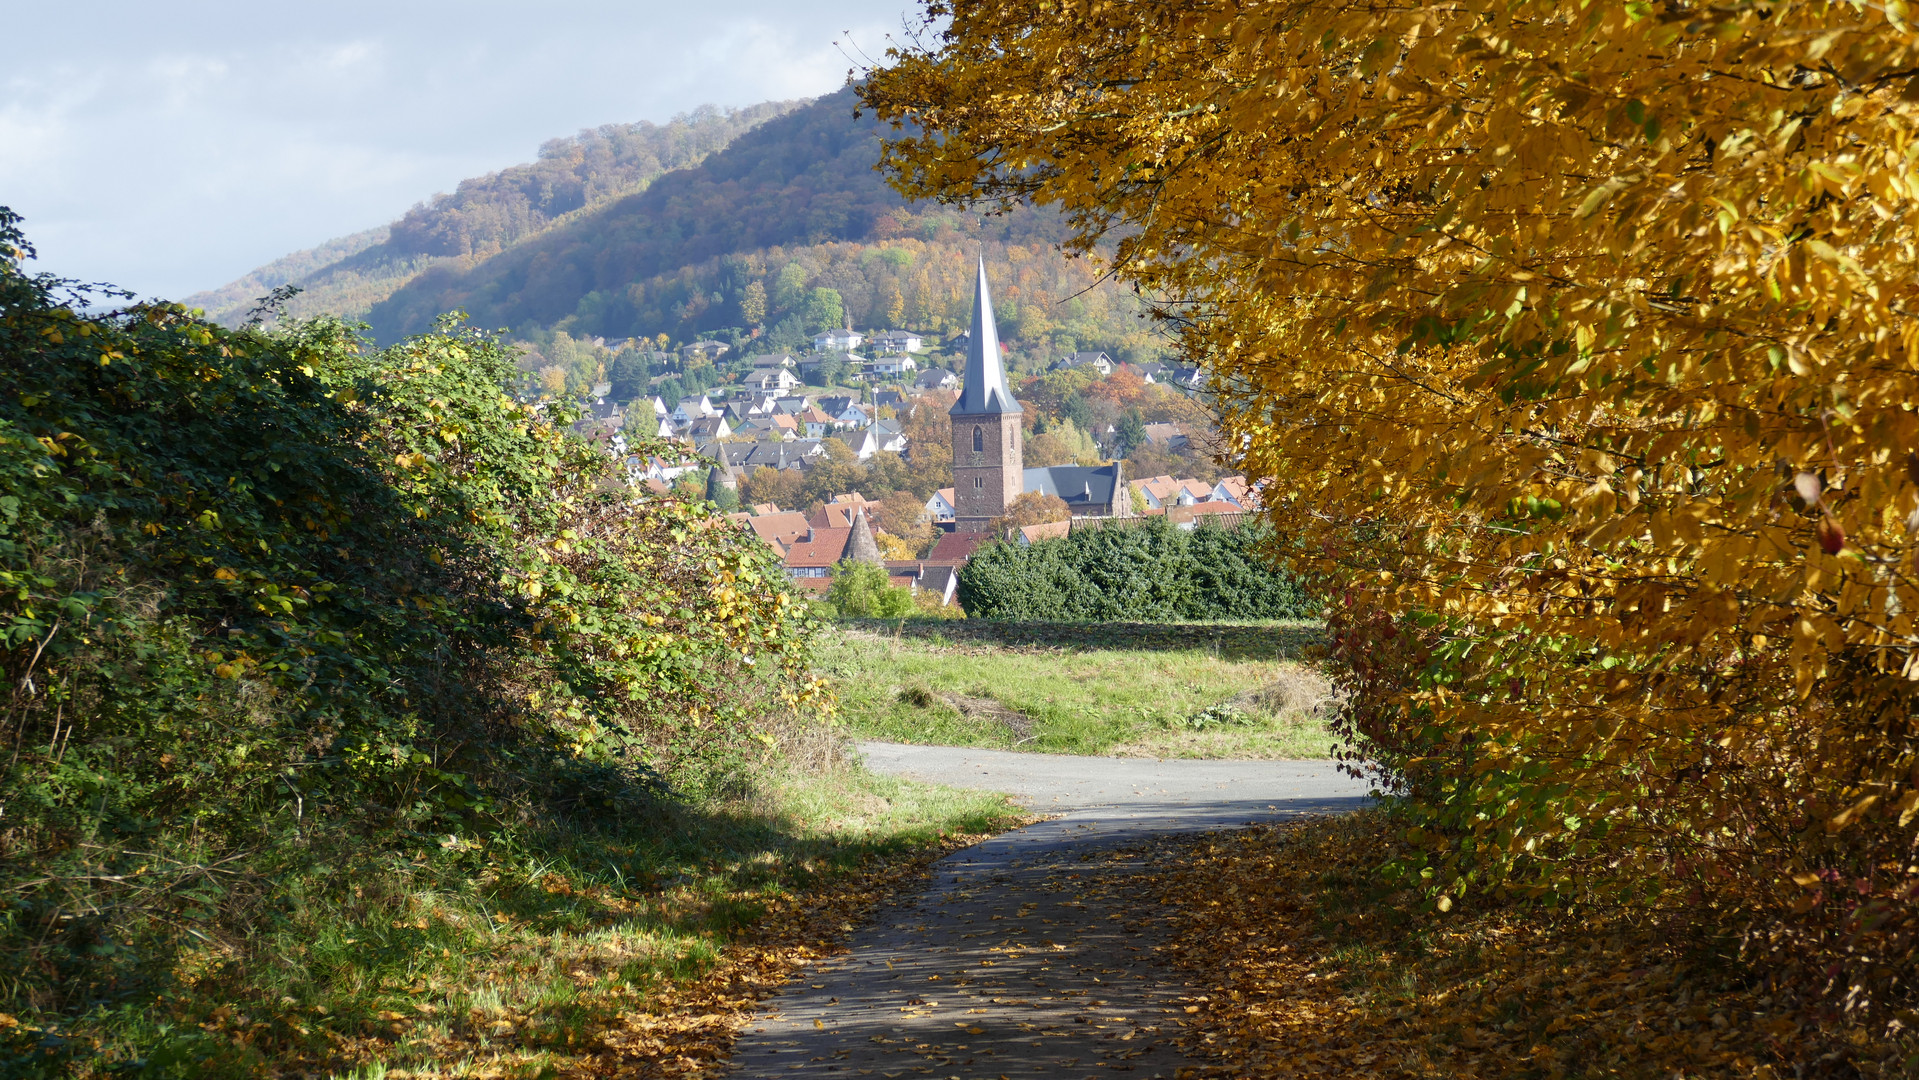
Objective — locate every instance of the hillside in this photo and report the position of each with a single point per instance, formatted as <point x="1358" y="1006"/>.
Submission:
<point x="488" y="214"/>
<point x="787" y="229"/>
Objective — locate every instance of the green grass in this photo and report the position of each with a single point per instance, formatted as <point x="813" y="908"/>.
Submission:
<point x="513" y="956"/>
<point x="930" y="688"/>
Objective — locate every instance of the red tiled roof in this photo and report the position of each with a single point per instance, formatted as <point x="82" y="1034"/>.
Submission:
<point x="956" y="548"/>
<point x="836" y="516"/>
<point x="780" y="529"/>
<point x="1050" y="530"/>
<point x="822" y="550"/>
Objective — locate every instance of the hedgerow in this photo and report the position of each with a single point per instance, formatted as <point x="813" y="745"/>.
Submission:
<point x="1151" y="572"/>
<point x="269" y="598"/>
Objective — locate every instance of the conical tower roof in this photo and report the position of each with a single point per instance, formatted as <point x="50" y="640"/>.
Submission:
<point x="860" y="545"/>
<point x="983" y="391"/>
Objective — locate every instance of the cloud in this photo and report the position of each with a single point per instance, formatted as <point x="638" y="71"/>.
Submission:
<point x="184" y="144"/>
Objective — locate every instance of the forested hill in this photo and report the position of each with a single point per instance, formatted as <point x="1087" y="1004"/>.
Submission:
<point x="785" y="230"/>
<point x="488" y="214"/>
<point x="803" y="179"/>
<point x="788" y="230"/>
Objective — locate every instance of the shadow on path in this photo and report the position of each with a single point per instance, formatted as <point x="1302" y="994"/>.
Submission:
<point x="1019" y="961"/>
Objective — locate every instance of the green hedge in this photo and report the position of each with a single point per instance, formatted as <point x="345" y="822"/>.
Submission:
<point x="1152" y="572"/>
<point x="271" y="597"/>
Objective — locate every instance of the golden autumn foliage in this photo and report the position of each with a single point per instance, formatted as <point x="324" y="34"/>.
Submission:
<point x="1580" y="340"/>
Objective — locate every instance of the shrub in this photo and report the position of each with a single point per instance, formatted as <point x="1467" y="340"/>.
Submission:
<point x="267" y="594"/>
<point x="1151" y="572"/>
<point x="861" y="590"/>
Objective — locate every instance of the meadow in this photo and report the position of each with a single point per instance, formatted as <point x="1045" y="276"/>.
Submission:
<point x="1142" y="690"/>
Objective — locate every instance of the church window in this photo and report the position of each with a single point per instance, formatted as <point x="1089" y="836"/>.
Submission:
<point x="979" y="483"/>
<point x="979" y="438"/>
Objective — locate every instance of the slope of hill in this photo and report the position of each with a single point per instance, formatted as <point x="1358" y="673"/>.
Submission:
<point x="787" y="230"/>
<point x="488" y="214"/>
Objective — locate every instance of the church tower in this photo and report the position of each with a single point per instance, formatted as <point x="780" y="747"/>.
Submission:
<point x="988" y="454"/>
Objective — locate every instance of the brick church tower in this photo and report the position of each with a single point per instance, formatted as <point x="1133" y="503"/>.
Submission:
<point x="988" y="453"/>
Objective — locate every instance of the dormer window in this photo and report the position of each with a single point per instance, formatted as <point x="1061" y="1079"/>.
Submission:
<point x="979" y="438"/>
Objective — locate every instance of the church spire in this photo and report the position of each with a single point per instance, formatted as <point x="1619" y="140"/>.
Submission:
<point x="983" y="391"/>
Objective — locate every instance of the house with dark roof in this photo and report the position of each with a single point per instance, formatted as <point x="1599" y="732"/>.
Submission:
<point x="707" y="428"/>
<point x="897" y="341"/>
<point x="1098" y="361"/>
<point x="704" y="350"/>
<point x="1087" y="490"/>
<point x="770" y="380"/>
<point x="935" y="379"/>
<point x="920" y="576"/>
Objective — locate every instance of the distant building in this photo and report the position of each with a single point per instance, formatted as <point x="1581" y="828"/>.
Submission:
<point x="897" y="341"/>
<point x="692" y="408"/>
<point x="704" y="350"/>
<point x="935" y="379"/>
<point x="838" y="340"/>
<point x="1087" y="490"/>
<point x="773" y="360"/>
<point x="939" y="507"/>
<point x="889" y="366"/>
<point x="770" y="380"/>
<point x="1170" y="436"/>
<point x="1098" y="361"/>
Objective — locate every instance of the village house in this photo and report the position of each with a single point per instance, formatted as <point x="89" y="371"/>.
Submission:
<point x="770" y="380"/>
<point x="1235" y="490"/>
<point x="1051" y="530"/>
<point x="773" y="360"/>
<point x="778" y="528"/>
<point x="817" y="423"/>
<point x="1087" y="490"/>
<point x="708" y="351"/>
<point x="888" y="366"/>
<point x="1163" y="491"/>
<point x="939" y="508"/>
<point x="889" y="436"/>
<point x="897" y="341"/>
<point x="810" y="559"/>
<point x="1169" y="436"/>
<point x="1097" y="361"/>
<point x="935" y="379"/>
<point x="692" y="408"/>
<point x="838" y="341"/>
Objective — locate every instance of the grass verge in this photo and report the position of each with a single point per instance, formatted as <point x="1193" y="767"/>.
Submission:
<point x="1178" y="699"/>
<point x="1316" y="970"/>
<point x="555" y="955"/>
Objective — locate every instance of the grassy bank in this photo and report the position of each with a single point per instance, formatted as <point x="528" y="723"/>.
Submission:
<point x="585" y="953"/>
<point x="1180" y="690"/>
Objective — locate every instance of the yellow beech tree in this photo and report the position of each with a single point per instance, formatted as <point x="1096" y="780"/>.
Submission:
<point x="1579" y="339"/>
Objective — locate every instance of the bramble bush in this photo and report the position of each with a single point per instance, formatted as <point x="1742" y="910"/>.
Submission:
<point x="271" y="598"/>
<point x="1151" y="572"/>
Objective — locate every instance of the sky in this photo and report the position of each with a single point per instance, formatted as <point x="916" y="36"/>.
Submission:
<point x="170" y="147"/>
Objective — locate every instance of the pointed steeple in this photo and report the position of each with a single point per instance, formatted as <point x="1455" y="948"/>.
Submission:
<point x="983" y="391"/>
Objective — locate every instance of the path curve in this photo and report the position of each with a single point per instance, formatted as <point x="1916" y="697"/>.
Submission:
<point x="1015" y="962"/>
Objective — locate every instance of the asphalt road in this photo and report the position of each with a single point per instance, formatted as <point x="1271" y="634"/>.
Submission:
<point x="1016" y="962"/>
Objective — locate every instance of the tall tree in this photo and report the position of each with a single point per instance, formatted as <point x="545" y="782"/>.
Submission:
<point x="1589" y="331"/>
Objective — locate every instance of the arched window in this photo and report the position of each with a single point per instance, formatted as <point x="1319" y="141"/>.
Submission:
<point x="979" y="438"/>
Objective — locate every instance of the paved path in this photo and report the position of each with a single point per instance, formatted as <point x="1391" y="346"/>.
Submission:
<point x="1016" y="962"/>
